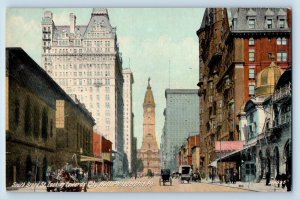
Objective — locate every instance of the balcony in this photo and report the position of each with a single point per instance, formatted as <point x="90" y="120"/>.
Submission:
<point x="282" y="93"/>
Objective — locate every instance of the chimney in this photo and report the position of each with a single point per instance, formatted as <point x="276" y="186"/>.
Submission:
<point x="48" y="14"/>
<point x="72" y="23"/>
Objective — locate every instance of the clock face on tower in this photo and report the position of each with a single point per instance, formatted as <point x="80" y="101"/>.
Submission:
<point x="148" y="109"/>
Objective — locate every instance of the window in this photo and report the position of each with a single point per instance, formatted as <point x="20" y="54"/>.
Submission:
<point x="281" y="41"/>
<point x="278" y="41"/>
<point x="251" y="42"/>
<point x="28" y="115"/>
<point x="269" y="23"/>
<point x="251" y="23"/>
<point x="45" y="124"/>
<point x="234" y="23"/>
<point x="251" y="73"/>
<point x="281" y="23"/>
<point x="251" y="55"/>
<point x="17" y="112"/>
<point x="36" y="118"/>
<point x="282" y="56"/>
<point x="251" y="89"/>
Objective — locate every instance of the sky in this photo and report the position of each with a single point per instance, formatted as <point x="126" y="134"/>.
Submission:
<point x="161" y="43"/>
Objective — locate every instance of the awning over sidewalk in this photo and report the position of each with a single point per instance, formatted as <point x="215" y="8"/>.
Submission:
<point x="229" y="157"/>
<point x="84" y="158"/>
<point x="214" y="163"/>
<point x="235" y="154"/>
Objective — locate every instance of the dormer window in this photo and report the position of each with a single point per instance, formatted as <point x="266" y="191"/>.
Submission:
<point x="269" y="23"/>
<point x="281" y="23"/>
<point x="251" y="23"/>
<point x="234" y="23"/>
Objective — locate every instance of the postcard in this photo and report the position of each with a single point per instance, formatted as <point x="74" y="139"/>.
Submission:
<point x="148" y="100"/>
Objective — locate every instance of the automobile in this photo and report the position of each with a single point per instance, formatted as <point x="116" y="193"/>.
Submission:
<point x="165" y="176"/>
<point x="185" y="173"/>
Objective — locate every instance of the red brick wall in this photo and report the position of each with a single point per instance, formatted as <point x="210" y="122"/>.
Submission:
<point x="263" y="46"/>
<point x="96" y="144"/>
<point x="106" y="145"/>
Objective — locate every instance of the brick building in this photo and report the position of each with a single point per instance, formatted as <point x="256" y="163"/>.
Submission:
<point x="102" y="149"/>
<point x="235" y="45"/>
<point x="187" y="155"/>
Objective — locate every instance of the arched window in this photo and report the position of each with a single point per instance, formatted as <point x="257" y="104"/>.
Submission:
<point x="51" y="128"/>
<point x="27" y="122"/>
<point x="45" y="124"/>
<point x="18" y="169"/>
<point x="45" y="167"/>
<point x="251" y="42"/>
<point x="36" y="120"/>
<point x="276" y="160"/>
<point x="28" y="169"/>
<point x="17" y="112"/>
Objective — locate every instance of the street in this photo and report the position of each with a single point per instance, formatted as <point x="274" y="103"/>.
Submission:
<point x="145" y="185"/>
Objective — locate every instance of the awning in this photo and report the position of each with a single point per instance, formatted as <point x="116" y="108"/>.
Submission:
<point x="229" y="156"/>
<point x="84" y="158"/>
<point x="234" y="153"/>
<point x="214" y="163"/>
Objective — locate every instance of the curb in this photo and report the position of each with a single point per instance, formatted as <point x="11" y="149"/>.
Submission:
<point x="242" y="188"/>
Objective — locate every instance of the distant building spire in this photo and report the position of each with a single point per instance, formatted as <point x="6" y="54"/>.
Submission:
<point x="149" y="99"/>
<point x="149" y="82"/>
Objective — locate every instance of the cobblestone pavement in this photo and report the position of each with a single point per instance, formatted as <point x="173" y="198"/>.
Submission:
<point x="152" y="185"/>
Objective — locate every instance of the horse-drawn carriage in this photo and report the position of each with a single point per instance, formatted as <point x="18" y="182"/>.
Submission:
<point x="67" y="181"/>
<point x="165" y="176"/>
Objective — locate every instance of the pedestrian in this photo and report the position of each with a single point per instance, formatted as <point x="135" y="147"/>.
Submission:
<point x="227" y="177"/>
<point x="268" y="176"/>
<point x="29" y="176"/>
<point x="234" y="176"/>
<point x="289" y="182"/>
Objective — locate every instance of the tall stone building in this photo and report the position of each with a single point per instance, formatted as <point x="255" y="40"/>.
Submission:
<point x="85" y="61"/>
<point x="128" y="116"/>
<point x="235" y="45"/>
<point x="181" y="121"/>
<point x="46" y="128"/>
<point x="149" y="152"/>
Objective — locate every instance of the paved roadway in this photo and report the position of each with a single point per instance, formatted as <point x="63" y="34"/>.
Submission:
<point x="152" y="185"/>
<point x="144" y="185"/>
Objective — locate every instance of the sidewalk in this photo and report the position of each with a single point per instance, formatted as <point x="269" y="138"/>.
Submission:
<point x="251" y="186"/>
